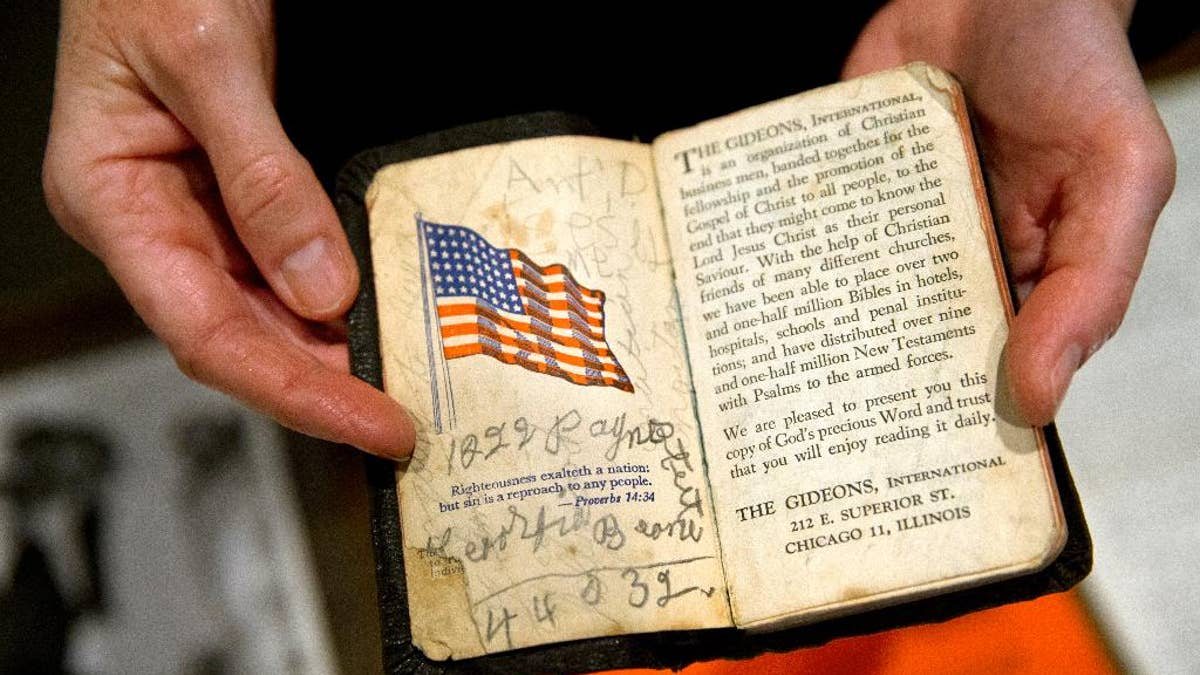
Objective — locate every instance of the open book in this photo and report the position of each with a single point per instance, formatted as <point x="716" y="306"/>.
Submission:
<point x="748" y="375"/>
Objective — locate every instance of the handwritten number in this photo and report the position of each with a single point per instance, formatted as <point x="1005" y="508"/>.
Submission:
<point x="467" y="452"/>
<point x="591" y="592"/>
<point x="638" y="585"/>
<point x="543" y="611"/>
<point x="525" y="430"/>
<point x="470" y="449"/>
<point x="498" y="434"/>
<point x="494" y="625"/>
<point x="664" y="578"/>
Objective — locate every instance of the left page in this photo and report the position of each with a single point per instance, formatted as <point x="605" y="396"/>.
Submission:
<point x="527" y="320"/>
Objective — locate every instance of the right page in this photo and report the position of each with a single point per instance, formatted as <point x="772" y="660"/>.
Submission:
<point x="845" y="310"/>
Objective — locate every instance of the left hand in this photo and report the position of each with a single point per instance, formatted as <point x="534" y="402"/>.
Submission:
<point x="167" y="160"/>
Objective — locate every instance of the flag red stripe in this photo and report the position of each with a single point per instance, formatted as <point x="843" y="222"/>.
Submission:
<point x="604" y="366"/>
<point x="534" y="273"/>
<point x="561" y="287"/>
<point x="474" y="308"/>
<point x="591" y="325"/>
<point x="541" y="367"/>
<point x="456" y="330"/>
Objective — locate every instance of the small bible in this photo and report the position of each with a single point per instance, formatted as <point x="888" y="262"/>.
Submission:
<point x="741" y="387"/>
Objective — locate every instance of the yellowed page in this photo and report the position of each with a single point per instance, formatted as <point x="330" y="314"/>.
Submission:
<point x="839" y="281"/>
<point x="541" y="506"/>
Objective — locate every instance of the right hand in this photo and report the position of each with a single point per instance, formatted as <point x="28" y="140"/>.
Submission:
<point x="1079" y="163"/>
<point x="167" y="160"/>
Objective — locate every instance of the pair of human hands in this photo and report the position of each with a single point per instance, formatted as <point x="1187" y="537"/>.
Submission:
<point x="167" y="160"/>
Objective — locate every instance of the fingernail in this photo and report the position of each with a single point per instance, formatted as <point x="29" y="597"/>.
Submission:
<point x="315" y="277"/>
<point x="402" y="452"/>
<point x="1068" y="363"/>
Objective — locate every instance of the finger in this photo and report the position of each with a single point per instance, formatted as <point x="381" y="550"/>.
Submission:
<point x="895" y="36"/>
<point x="219" y="340"/>
<point x="229" y="333"/>
<point x="877" y="48"/>
<point x="282" y="215"/>
<point x="1094" y="256"/>
<point x="238" y="357"/>
<point x="222" y="93"/>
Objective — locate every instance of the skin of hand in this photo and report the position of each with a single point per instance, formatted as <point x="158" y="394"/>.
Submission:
<point x="1078" y="161"/>
<point x="167" y="160"/>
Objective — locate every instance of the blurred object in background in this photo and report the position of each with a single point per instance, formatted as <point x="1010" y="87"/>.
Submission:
<point x="148" y="525"/>
<point x="51" y="478"/>
<point x="245" y="548"/>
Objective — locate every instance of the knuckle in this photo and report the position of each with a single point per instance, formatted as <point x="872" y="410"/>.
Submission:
<point x="295" y="389"/>
<point x="217" y="357"/>
<point x="202" y="354"/>
<point x="201" y="39"/>
<point x="66" y="205"/>
<point x="261" y="188"/>
<point x="1150" y="160"/>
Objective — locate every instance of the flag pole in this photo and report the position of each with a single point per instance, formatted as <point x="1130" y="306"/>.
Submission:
<point x="433" y="339"/>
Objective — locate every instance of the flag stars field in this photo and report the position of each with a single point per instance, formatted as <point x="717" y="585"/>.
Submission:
<point x="497" y="302"/>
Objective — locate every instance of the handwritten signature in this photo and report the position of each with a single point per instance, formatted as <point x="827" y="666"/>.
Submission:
<point x="686" y="525"/>
<point x="536" y="529"/>
<point x="565" y="436"/>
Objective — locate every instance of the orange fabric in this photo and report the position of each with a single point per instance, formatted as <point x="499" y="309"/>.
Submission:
<point x="1053" y="634"/>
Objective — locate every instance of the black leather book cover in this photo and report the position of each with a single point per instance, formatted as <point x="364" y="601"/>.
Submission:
<point x="654" y="650"/>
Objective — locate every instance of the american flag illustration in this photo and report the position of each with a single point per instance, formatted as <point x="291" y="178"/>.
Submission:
<point x="498" y="302"/>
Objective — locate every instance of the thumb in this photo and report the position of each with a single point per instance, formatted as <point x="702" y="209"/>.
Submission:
<point x="1094" y="257"/>
<point x="282" y="215"/>
<point x="274" y="200"/>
